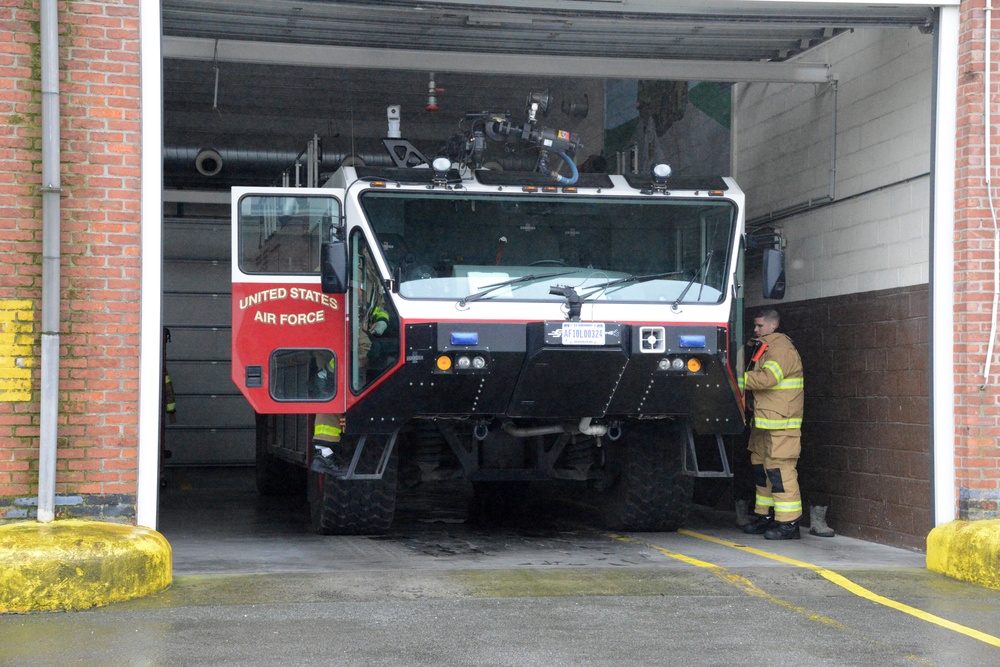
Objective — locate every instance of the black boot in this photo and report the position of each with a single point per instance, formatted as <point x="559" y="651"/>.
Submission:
<point x="783" y="530"/>
<point x="325" y="465"/>
<point x="759" y="524"/>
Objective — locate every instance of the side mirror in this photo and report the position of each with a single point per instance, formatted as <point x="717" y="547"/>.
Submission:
<point x="333" y="267"/>
<point x="773" y="275"/>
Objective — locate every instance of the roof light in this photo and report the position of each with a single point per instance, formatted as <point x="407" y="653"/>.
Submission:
<point x="661" y="172"/>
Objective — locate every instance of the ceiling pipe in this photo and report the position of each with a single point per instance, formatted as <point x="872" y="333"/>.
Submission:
<point x="49" y="399"/>
<point x="178" y="159"/>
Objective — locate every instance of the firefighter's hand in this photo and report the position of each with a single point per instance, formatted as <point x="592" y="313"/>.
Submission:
<point x="379" y="327"/>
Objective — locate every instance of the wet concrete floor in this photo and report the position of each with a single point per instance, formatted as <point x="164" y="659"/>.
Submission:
<point x="253" y="586"/>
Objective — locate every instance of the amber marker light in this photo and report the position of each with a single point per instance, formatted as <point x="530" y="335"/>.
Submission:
<point x="444" y="362"/>
<point x="694" y="365"/>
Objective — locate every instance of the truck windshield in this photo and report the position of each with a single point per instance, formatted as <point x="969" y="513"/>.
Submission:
<point x="458" y="245"/>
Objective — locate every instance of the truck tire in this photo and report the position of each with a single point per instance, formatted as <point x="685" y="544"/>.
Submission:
<point x="353" y="506"/>
<point x="275" y="476"/>
<point x="651" y="492"/>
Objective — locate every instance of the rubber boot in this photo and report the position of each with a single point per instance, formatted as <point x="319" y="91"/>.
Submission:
<point x="817" y="522"/>
<point x="759" y="524"/>
<point x="742" y="516"/>
<point x="783" y="530"/>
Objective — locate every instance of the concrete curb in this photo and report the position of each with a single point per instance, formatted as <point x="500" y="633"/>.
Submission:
<point x="71" y="564"/>
<point x="966" y="550"/>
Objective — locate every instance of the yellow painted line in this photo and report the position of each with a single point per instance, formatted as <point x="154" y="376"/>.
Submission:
<point x="854" y="588"/>
<point x="738" y="581"/>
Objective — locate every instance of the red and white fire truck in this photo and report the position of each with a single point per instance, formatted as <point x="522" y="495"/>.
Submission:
<point x="544" y="325"/>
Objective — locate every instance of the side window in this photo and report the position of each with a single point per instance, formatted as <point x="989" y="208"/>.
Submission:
<point x="282" y="233"/>
<point x="374" y="326"/>
<point x="302" y="375"/>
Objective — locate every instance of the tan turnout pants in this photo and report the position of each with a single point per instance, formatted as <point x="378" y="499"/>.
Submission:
<point x="774" y="455"/>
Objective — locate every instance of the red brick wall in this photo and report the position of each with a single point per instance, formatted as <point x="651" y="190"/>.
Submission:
<point x="977" y="417"/>
<point x="100" y="245"/>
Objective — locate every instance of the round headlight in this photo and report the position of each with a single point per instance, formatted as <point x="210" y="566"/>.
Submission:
<point x="463" y="362"/>
<point x="478" y="362"/>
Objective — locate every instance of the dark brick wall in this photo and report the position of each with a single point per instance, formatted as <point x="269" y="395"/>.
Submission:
<point x="866" y="436"/>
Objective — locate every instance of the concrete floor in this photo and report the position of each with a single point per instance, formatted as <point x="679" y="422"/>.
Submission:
<point x="253" y="586"/>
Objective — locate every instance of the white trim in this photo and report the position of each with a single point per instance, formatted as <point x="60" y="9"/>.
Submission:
<point x="197" y="196"/>
<point x="943" y="269"/>
<point x="151" y="210"/>
<point x="311" y="55"/>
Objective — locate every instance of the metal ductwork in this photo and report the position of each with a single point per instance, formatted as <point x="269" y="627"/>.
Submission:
<point x="208" y="162"/>
<point x="257" y="165"/>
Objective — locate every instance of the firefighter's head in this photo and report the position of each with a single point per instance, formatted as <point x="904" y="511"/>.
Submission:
<point x="766" y="322"/>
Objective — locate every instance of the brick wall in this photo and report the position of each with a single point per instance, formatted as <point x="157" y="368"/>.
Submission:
<point x="866" y="431"/>
<point x="99" y="332"/>
<point x="977" y="418"/>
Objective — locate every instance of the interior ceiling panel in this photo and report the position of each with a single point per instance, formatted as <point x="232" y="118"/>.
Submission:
<point x="487" y="54"/>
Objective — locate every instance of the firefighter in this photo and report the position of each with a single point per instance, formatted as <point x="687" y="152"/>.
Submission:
<point x="328" y="428"/>
<point x="774" y="375"/>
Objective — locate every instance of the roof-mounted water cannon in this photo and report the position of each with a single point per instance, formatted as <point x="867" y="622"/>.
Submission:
<point x="470" y="148"/>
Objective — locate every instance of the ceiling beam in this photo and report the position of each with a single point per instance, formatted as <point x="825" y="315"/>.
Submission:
<point x="308" y="55"/>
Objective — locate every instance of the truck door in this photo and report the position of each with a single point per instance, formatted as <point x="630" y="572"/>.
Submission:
<point x="288" y="337"/>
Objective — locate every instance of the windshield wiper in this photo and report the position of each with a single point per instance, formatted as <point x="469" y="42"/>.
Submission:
<point x="629" y="279"/>
<point x="701" y="269"/>
<point x="488" y="289"/>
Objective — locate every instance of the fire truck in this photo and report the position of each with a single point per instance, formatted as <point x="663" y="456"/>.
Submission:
<point x="544" y="326"/>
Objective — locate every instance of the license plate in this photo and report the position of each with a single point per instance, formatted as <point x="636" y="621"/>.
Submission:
<point x="583" y="333"/>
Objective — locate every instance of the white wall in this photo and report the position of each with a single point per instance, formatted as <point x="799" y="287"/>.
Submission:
<point x="875" y="234"/>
